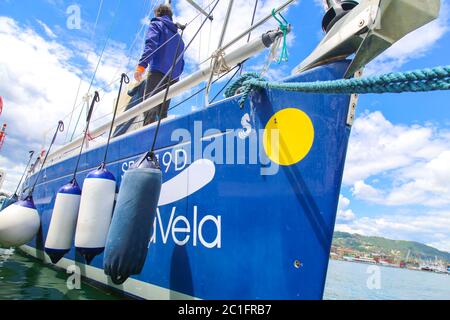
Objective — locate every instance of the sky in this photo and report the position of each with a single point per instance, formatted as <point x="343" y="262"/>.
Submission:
<point x="396" y="180"/>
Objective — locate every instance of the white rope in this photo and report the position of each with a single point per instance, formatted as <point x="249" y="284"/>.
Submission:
<point x="218" y="63"/>
<point x="271" y="57"/>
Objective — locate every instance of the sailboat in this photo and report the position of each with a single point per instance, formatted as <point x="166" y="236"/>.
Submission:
<point x="241" y="216"/>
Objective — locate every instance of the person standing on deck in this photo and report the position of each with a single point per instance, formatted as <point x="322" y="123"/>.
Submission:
<point x="160" y="48"/>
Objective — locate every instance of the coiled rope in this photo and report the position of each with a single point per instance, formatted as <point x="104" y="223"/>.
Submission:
<point x="430" y="79"/>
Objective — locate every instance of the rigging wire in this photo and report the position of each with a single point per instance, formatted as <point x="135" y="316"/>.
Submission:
<point x="251" y="25"/>
<point x="63" y="119"/>
<point x="253" y="20"/>
<point x="104" y="91"/>
<point x="197" y="92"/>
<point x="195" y="35"/>
<point x="150" y="54"/>
<point x="187" y="24"/>
<point x="183" y="52"/>
<point x="95" y="99"/>
<point x="152" y="6"/>
<point x="59" y="128"/>
<point x="161" y="46"/>
<point x="94" y="31"/>
<point x="166" y="94"/>
<point x="31" y="154"/>
<point x="202" y="89"/>
<point x="99" y="60"/>
<point x="126" y="80"/>
<point x="176" y="59"/>
<point x="228" y="82"/>
<point x="200" y="54"/>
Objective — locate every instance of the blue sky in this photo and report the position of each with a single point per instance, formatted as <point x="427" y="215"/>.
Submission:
<point x="398" y="168"/>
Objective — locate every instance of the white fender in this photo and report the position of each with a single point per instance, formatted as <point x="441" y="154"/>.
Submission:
<point x="19" y="224"/>
<point x="94" y="218"/>
<point x="63" y="222"/>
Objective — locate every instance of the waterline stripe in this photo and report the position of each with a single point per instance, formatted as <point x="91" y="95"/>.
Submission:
<point x="133" y="287"/>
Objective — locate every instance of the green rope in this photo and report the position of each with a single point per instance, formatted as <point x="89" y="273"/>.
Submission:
<point x="433" y="79"/>
<point x="239" y="87"/>
<point x="284" y="27"/>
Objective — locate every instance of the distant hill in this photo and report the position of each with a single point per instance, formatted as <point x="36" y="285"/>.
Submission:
<point x="387" y="246"/>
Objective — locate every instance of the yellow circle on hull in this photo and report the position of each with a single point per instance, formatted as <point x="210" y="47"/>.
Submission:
<point x="288" y="136"/>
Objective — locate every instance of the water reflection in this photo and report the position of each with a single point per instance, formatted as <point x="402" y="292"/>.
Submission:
<point x="26" y="278"/>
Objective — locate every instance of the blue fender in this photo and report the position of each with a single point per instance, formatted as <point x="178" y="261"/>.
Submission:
<point x="129" y="234"/>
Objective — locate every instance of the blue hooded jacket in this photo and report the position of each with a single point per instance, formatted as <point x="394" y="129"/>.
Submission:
<point x="161" y="29"/>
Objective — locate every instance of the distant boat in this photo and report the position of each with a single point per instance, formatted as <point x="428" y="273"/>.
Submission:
<point x="437" y="267"/>
<point x="360" y="259"/>
<point x="388" y="264"/>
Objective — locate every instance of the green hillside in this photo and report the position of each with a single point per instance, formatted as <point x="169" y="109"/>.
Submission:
<point x="386" y="246"/>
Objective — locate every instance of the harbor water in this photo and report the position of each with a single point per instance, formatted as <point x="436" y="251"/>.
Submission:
<point x="23" y="277"/>
<point x="358" y="281"/>
<point x="26" y="278"/>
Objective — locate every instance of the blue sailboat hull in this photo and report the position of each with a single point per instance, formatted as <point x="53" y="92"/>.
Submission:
<point x="231" y="223"/>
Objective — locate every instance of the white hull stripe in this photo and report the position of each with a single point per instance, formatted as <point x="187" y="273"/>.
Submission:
<point x="131" y="286"/>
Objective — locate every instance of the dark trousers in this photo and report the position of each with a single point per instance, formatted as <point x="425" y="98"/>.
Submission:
<point x="153" y="79"/>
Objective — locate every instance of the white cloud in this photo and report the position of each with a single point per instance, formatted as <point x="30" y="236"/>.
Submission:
<point x="33" y="76"/>
<point x="405" y="168"/>
<point x="413" y="162"/>
<point x="13" y="173"/>
<point x="320" y="3"/>
<point x="377" y="146"/>
<point x="364" y="191"/>
<point x="425" y="183"/>
<point x="344" y="213"/>
<point x="113" y="62"/>
<point x="47" y="30"/>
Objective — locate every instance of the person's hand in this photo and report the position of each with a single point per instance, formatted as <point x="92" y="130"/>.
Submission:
<point x="138" y="75"/>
